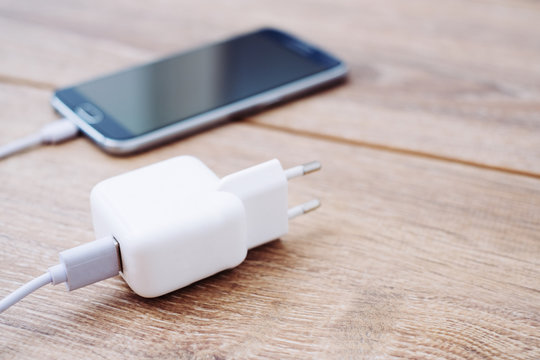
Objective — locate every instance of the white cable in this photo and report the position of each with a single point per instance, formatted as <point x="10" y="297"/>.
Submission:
<point x="25" y="290"/>
<point x="19" y="145"/>
<point x="52" y="133"/>
<point x="79" y="266"/>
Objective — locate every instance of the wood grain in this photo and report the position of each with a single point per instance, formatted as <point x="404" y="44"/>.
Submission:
<point x="427" y="244"/>
<point x="457" y="81"/>
<point x="407" y="258"/>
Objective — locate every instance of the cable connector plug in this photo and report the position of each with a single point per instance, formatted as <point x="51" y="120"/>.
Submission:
<point x="87" y="264"/>
<point x="80" y="266"/>
<point x="58" y="131"/>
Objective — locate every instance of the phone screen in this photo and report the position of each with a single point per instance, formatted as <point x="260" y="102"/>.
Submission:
<point x="158" y="94"/>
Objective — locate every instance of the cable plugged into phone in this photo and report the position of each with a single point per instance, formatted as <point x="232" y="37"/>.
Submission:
<point x="167" y="225"/>
<point x="135" y="121"/>
<point x="53" y="133"/>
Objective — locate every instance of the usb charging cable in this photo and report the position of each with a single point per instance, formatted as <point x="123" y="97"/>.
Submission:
<point x="167" y="225"/>
<point x="80" y="266"/>
<point x="52" y="133"/>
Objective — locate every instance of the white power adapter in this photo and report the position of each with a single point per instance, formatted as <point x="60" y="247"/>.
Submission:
<point x="167" y="225"/>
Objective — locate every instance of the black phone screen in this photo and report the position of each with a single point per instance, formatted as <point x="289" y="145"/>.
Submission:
<point x="152" y="96"/>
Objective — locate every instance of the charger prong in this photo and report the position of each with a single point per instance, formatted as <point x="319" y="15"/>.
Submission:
<point x="302" y="170"/>
<point x="303" y="208"/>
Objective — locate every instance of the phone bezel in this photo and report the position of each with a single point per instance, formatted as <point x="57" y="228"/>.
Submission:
<point x="113" y="138"/>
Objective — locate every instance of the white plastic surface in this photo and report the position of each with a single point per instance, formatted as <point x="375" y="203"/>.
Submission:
<point x="172" y="226"/>
<point x="177" y="223"/>
<point x="263" y="190"/>
<point x="87" y="263"/>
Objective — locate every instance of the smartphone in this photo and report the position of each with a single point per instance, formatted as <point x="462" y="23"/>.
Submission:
<point x="146" y="105"/>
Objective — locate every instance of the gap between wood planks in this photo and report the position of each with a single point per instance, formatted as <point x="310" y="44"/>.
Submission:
<point x="17" y="81"/>
<point x="391" y="149"/>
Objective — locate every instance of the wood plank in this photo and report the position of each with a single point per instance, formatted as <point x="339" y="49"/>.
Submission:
<point x="407" y="257"/>
<point x="455" y="80"/>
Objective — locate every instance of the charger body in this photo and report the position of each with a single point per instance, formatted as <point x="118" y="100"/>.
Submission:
<point x="176" y="222"/>
<point x="172" y="227"/>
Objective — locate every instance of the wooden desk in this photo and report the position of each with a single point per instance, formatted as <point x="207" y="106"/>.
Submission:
<point x="428" y="241"/>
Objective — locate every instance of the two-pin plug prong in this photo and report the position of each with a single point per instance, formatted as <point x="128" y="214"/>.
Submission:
<point x="303" y="208"/>
<point x="297" y="171"/>
<point x="302" y="170"/>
